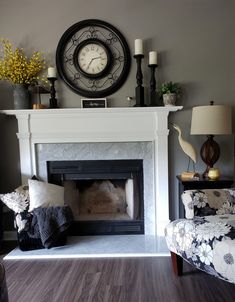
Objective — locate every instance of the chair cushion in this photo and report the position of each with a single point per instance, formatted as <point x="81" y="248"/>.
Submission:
<point x="208" y="243"/>
<point x="208" y="202"/>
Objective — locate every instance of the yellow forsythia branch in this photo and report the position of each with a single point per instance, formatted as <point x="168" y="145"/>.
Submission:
<point x="16" y="68"/>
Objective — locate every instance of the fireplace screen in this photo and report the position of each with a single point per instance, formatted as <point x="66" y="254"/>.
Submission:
<point x="106" y="196"/>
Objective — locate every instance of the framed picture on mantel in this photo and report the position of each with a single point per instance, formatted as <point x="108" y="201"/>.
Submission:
<point x="93" y="103"/>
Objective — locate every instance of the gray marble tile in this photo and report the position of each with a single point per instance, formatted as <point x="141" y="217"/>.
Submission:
<point x="106" y="151"/>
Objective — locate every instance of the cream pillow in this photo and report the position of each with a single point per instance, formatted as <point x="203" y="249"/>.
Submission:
<point x="43" y="194"/>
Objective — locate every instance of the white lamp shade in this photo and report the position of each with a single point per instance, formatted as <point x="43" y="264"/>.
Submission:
<point x="211" y="120"/>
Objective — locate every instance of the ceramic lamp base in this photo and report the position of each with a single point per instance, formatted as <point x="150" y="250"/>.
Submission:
<point x="210" y="152"/>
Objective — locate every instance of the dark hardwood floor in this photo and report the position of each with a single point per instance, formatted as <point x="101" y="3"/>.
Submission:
<point x="111" y="280"/>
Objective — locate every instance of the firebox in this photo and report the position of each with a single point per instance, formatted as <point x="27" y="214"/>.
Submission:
<point x="106" y="196"/>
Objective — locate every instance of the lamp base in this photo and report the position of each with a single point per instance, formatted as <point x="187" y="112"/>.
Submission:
<point x="210" y="153"/>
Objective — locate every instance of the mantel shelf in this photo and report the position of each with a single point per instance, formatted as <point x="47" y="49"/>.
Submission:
<point x="124" y="110"/>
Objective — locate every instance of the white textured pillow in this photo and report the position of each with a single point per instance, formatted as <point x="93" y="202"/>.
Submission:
<point x="17" y="200"/>
<point x="43" y="194"/>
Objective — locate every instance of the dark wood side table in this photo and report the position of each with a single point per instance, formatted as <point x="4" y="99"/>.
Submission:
<point x="202" y="183"/>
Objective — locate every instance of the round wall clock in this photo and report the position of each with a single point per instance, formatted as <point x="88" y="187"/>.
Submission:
<point x="93" y="58"/>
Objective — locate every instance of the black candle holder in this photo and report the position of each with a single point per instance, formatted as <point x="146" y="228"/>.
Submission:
<point x="154" y="99"/>
<point x="53" y="100"/>
<point x="139" y="90"/>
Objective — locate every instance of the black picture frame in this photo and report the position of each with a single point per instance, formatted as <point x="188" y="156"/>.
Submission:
<point x="94" y="103"/>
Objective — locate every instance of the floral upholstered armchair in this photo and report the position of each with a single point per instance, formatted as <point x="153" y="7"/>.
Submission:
<point x="206" y="238"/>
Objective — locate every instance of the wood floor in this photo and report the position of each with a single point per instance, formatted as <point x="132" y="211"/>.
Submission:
<point x="111" y="280"/>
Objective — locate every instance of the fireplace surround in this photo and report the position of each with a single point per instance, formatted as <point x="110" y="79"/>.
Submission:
<point x="106" y="132"/>
<point x="107" y="151"/>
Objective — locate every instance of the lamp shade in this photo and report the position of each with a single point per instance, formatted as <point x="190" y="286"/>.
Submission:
<point x="211" y="120"/>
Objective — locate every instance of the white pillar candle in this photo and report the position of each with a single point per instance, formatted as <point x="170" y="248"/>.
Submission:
<point x="51" y="72"/>
<point x="152" y="58"/>
<point x="139" y="47"/>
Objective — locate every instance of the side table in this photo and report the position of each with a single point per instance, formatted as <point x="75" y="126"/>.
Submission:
<point x="202" y="183"/>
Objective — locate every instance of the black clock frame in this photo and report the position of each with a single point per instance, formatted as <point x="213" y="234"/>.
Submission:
<point x="97" y="42"/>
<point x="116" y="81"/>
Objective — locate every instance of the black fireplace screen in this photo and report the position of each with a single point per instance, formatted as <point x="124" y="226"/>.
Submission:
<point x="106" y="196"/>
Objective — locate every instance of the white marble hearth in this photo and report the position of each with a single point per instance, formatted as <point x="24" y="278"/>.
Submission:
<point x="104" y="133"/>
<point x="99" y="247"/>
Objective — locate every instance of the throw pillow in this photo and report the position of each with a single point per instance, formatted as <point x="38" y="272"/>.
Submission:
<point x="43" y="194"/>
<point x="208" y="202"/>
<point x="18" y="200"/>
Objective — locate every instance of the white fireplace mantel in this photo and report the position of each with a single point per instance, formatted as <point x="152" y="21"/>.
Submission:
<point x="76" y="125"/>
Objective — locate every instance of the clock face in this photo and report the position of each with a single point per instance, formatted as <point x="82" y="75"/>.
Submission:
<point x="92" y="58"/>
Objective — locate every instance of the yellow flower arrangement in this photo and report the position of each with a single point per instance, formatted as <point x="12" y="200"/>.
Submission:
<point x="16" y="68"/>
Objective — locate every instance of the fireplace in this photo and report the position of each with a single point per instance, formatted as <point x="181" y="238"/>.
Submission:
<point x="102" y="134"/>
<point x="106" y="196"/>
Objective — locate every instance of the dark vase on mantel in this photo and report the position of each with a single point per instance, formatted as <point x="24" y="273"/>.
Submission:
<point x="21" y="96"/>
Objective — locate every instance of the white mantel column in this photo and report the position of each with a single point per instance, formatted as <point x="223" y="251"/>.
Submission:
<point x="161" y="172"/>
<point x="26" y="147"/>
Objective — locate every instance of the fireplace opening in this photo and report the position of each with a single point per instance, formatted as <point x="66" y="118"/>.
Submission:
<point x="106" y="196"/>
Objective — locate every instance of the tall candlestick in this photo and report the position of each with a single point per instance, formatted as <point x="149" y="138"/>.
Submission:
<point x="53" y="100"/>
<point x="139" y="47"/>
<point x="51" y="72"/>
<point x="152" y="58"/>
<point x="154" y="98"/>
<point x="139" y="90"/>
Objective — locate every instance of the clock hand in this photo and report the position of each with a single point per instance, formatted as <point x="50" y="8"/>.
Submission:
<point x="89" y="63"/>
<point x="93" y="60"/>
<point x="97" y="58"/>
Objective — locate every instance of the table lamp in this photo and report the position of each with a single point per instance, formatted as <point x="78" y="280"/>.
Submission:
<point x="211" y="120"/>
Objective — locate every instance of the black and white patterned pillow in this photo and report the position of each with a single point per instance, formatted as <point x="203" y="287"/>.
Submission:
<point x="208" y="202"/>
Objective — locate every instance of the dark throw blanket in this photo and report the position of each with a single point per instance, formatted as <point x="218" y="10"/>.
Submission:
<point x="50" y="224"/>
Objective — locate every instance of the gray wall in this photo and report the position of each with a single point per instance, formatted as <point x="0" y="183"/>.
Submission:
<point x="196" y="45"/>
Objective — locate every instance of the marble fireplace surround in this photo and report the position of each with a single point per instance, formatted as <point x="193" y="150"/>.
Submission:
<point x="140" y="132"/>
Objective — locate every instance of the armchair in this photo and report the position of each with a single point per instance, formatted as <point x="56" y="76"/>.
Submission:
<point x="206" y="237"/>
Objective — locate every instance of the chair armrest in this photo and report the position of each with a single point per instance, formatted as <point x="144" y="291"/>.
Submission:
<point x="187" y="200"/>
